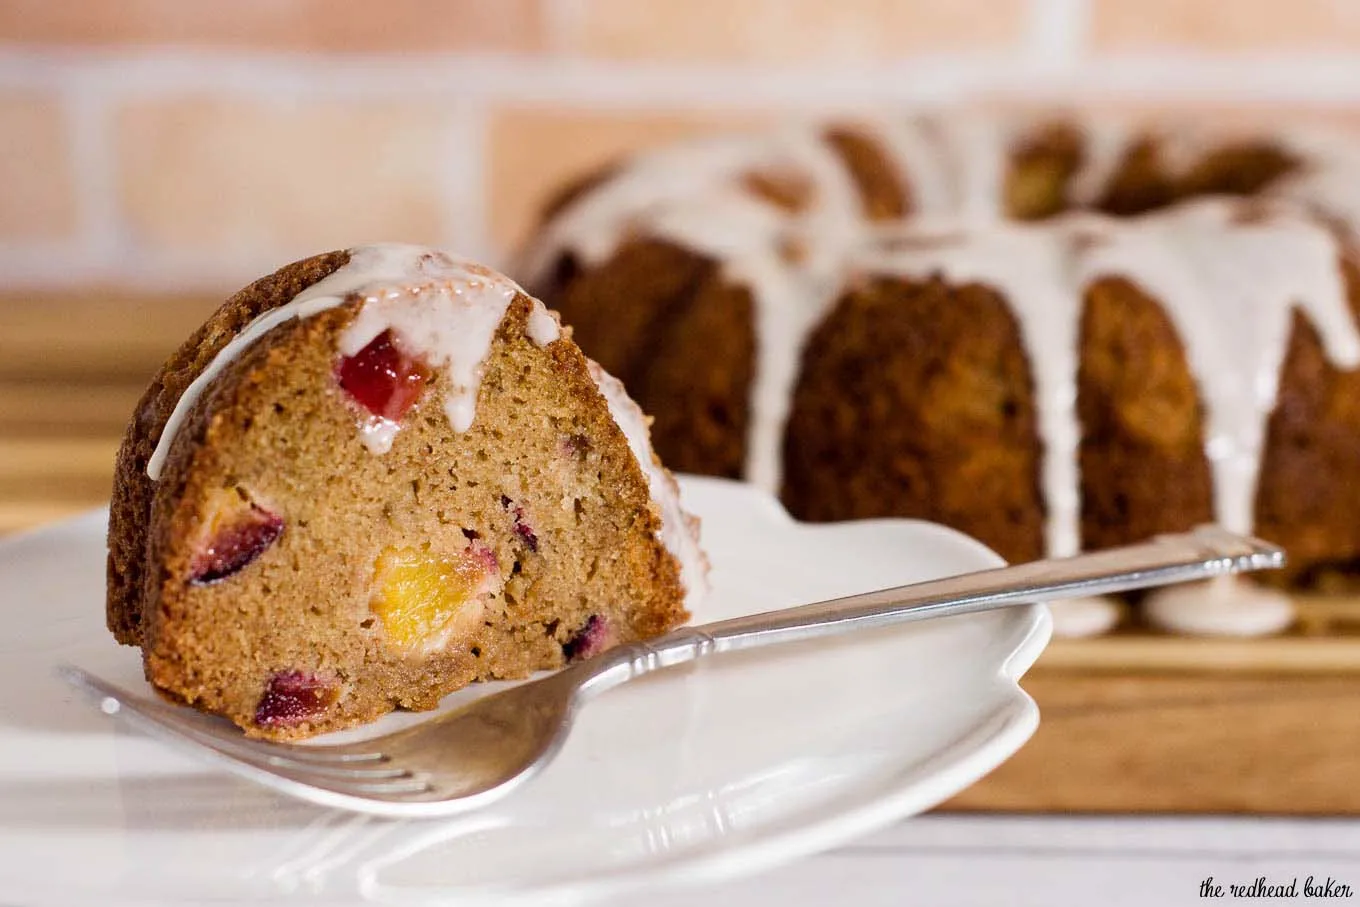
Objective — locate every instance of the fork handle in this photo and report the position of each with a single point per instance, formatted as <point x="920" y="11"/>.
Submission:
<point x="1205" y="552"/>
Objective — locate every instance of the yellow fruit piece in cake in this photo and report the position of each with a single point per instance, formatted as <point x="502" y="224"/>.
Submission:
<point x="424" y="598"/>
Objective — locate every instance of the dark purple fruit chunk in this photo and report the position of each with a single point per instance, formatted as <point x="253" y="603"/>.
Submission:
<point x="574" y="446"/>
<point x="522" y="528"/>
<point x="236" y="535"/>
<point x="527" y="535"/>
<point x="593" y="638"/>
<point x="524" y="531"/>
<point x="295" y="697"/>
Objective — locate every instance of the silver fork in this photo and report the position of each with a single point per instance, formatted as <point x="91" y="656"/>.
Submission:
<point x="471" y="756"/>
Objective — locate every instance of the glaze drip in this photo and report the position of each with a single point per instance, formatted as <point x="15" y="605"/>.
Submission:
<point x="1224" y="606"/>
<point x="679" y="532"/>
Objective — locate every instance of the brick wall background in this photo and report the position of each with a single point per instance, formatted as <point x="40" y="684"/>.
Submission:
<point x="196" y="144"/>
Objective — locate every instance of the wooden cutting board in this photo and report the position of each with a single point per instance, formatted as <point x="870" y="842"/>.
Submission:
<point x="1130" y="723"/>
<point x="1144" y="723"/>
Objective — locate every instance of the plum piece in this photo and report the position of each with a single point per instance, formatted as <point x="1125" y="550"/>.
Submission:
<point x="480" y="554"/>
<point x="521" y="527"/>
<point x="592" y="639"/>
<point x="383" y="378"/>
<point x="295" y="697"/>
<point x="574" y="447"/>
<point x="236" y="534"/>
<point x="525" y="533"/>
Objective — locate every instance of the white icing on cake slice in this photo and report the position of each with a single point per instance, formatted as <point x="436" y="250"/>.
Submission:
<point x="679" y="531"/>
<point x="443" y="308"/>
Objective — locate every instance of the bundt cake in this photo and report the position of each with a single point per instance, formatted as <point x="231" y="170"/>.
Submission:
<point x="376" y="476"/>
<point x="1053" y="335"/>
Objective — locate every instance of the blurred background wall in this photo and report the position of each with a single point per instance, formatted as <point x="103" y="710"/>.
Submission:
<point x="194" y="144"/>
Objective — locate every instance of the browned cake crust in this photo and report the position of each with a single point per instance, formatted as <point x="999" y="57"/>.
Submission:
<point x="1041" y="169"/>
<point x="1310" y="475"/>
<point x="1140" y="183"/>
<point x="541" y="496"/>
<point x="1142" y="461"/>
<point x="130" y="506"/>
<point x="881" y="189"/>
<point x="643" y="314"/>
<point x="702" y="405"/>
<point x="915" y="400"/>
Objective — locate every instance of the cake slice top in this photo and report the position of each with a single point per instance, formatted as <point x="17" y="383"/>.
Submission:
<point x="444" y="312"/>
<point x="444" y="308"/>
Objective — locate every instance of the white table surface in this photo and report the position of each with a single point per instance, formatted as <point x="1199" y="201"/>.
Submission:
<point x="962" y="861"/>
<point x="1047" y="861"/>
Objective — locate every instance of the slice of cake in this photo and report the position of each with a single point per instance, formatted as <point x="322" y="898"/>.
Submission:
<point x="374" y="477"/>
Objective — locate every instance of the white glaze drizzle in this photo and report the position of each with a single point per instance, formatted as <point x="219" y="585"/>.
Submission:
<point x="1230" y="298"/>
<point x="694" y="197"/>
<point x="785" y="310"/>
<point x="914" y="147"/>
<point x="679" y="531"/>
<point x="790" y="298"/>
<point x="544" y="327"/>
<point x="692" y="176"/>
<point x="975" y="146"/>
<point x="1105" y="146"/>
<point x="1328" y="178"/>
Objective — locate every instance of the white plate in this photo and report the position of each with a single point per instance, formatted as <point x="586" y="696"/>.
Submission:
<point x="703" y="772"/>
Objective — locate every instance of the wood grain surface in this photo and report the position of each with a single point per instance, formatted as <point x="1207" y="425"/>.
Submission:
<point x="1184" y="742"/>
<point x="1131" y="722"/>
